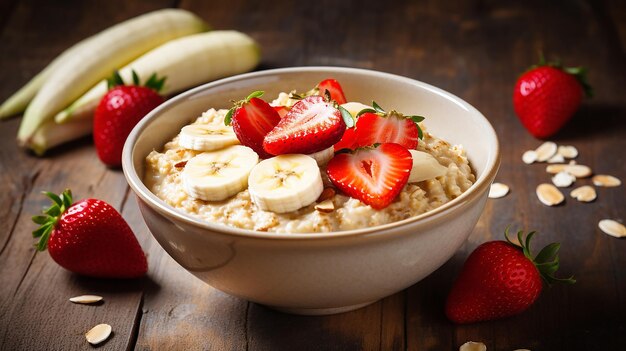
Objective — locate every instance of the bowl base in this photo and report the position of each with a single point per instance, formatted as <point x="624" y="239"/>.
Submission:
<point x="320" y="311"/>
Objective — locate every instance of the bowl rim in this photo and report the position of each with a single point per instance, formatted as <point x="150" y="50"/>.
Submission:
<point x="141" y="190"/>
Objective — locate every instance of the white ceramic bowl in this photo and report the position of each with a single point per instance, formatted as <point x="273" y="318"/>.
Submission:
<point x="317" y="273"/>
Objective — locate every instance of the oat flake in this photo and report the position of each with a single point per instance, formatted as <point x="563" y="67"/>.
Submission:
<point x="98" y="334"/>
<point x="612" y="228"/>
<point x="498" y="190"/>
<point x="606" y="180"/>
<point x="473" y="346"/>
<point x="86" y="299"/>
<point x="549" y="195"/>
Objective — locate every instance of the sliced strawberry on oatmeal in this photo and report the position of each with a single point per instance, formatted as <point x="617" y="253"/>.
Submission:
<point x="252" y="118"/>
<point x="348" y="140"/>
<point x="377" y="126"/>
<point x="373" y="175"/>
<point x="282" y="110"/>
<point x="334" y="89"/>
<point x="313" y="124"/>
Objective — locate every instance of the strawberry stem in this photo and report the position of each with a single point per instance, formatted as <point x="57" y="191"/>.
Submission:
<point x="50" y="217"/>
<point x="237" y="104"/>
<point x="381" y="112"/>
<point x="154" y="82"/>
<point x="546" y="261"/>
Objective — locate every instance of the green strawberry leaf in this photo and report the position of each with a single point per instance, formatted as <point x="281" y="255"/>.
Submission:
<point x="47" y="222"/>
<point x="255" y="94"/>
<point x="39" y="231"/>
<point x="114" y="80"/>
<point x="547" y="261"/>
<point x="365" y="110"/>
<point x="135" y="78"/>
<point x="548" y="253"/>
<point x="416" y="119"/>
<point x="54" y="197"/>
<point x="347" y="117"/>
<point x="229" y="116"/>
<point x="377" y="107"/>
<point x="40" y="219"/>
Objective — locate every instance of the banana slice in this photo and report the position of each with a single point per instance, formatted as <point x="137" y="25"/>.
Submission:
<point x="207" y="137"/>
<point x="354" y="107"/>
<point x="285" y="183"/>
<point x="322" y="157"/>
<point x="425" y="167"/>
<point x="218" y="175"/>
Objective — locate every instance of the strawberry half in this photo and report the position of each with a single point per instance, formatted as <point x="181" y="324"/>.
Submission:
<point x="89" y="238"/>
<point x="311" y="125"/>
<point x="252" y="118"/>
<point x="282" y="110"/>
<point x="334" y="89"/>
<point x="377" y="126"/>
<point x="375" y="176"/>
<point x="348" y="140"/>
<point x="501" y="279"/>
<point x="547" y="95"/>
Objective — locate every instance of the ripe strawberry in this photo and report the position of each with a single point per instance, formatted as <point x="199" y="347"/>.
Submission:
<point x="90" y="238"/>
<point x="119" y="111"/>
<point x="334" y="89"/>
<point x="501" y="279"/>
<point x="311" y="125"/>
<point x="282" y="110"/>
<point x="377" y="126"/>
<point x="252" y="118"/>
<point x="348" y="140"/>
<point x="547" y="96"/>
<point x="374" y="175"/>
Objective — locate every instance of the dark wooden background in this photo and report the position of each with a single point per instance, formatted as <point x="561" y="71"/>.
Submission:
<point x="475" y="49"/>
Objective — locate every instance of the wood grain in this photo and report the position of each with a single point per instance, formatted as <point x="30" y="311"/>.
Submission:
<point x="475" y="49"/>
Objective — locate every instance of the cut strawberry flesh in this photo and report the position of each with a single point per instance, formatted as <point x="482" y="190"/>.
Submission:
<point x="311" y="125"/>
<point x="335" y="90"/>
<point x="372" y="129"/>
<point x="282" y="110"/>
<point x="348" y="140"/>
<point x="251" y="123"/>
<point x="373" y="176"/>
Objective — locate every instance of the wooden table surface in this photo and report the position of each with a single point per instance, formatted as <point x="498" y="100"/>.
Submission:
<point x="474" y="49"/>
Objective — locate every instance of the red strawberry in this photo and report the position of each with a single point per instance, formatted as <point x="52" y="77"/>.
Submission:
<point x="90" y="238"/>
<point x="547" y="96"/>
<point x="311" y="125"/>
<point x="501" y="279"/>
<point x="375" y="126"/>
<point x="334" y="89"/>
<point x="375" y="176"/>
<point x="348" y="140"/>
<point x="252" y="118"/>
<point x="282" y="110"/>
<point x="118" y="113"/>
